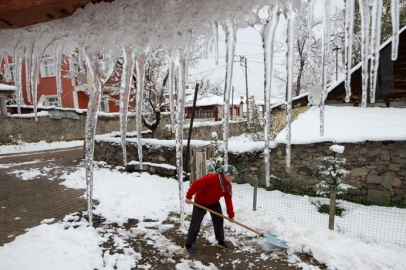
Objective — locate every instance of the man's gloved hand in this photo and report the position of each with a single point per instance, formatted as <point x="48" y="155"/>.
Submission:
<point x="188" y="201"/>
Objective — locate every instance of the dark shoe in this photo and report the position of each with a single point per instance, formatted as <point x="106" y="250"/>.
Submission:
<point x="222" y="244"/>
<point x="190" y="250"/>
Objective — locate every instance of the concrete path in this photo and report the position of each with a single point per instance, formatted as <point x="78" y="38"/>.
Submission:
<point x="24" y="204"/>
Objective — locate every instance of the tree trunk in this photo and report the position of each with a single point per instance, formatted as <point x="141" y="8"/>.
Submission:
<point x="332" y="212"/>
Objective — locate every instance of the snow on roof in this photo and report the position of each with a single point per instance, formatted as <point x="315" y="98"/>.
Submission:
<point x="348" y="124"/>
<point x="208" y="100"/>
<point x="7" y="87"/>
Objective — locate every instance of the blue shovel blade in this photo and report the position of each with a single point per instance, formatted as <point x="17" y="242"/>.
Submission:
<point x="274" y="241"/>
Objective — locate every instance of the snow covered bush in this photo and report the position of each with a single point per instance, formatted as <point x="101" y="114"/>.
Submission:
<point x="333" y="173"/>
<point x="332" y="183"/>
<point x="16" y="141"/>
<point x="216" y="164"/>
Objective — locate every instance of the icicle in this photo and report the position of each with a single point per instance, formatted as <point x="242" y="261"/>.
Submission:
<point x="28" y="56"/>
<point x="310" y="26"/>
<point x="375" y="44"/>
<point x="171" y="93"/>
<point x="181" y="64"/>
<point x="125" y="88"/>
<point x="268" y="37"/>
<point x="58" y="64"/>
<point x="18" y="59"/>
<point x="7" y="68"/>
<point x="395" y="28"/>
<point x="80" y="56"/>
<point x="231" y="37"/>
<point x="99" y="70"/>
<point x="90" y="129"/>
<point x="291" y="18"/>
<point x="36" y="59"/>
<point x="140" y="73"/>
<point x="349" y="28"/>
<point x="216" y="41"/>
<point x="365" y="23"/>
<point x="325" y="54"/>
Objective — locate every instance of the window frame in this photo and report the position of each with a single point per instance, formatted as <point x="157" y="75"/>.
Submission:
<point x="48" y="103"/>
<point x="45" y="68"/>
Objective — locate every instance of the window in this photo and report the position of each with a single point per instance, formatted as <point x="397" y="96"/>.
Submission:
<point x="12" y="72"/>
<point x="204" y="113"/>
<point x="51" y="101"/>
<point x="47" y="68"/>
<point x="104" y="106"/>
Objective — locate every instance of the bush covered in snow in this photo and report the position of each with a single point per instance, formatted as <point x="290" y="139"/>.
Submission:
<point x="333" y="173"/>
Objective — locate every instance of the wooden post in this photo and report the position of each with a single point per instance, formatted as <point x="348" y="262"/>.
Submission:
<point x="191" y="129"/>
<point x="332" y="212"/>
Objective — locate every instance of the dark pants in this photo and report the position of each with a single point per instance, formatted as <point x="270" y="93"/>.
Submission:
<point x="197" y="218"/>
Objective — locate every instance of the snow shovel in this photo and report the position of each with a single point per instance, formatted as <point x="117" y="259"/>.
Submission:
<point x="271" y="238"/>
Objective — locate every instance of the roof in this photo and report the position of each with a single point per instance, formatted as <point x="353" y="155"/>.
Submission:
<point x="208" y="100"/>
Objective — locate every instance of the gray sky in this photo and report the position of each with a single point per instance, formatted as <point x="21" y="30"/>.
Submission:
<point x="249" y="43"/>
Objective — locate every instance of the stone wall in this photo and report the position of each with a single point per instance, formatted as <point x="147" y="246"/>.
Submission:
<point x="378" y="169"/>
<point x="66" y="129"/>
<point x="49" y="130"/>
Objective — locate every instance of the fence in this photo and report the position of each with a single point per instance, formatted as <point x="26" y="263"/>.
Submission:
<point x="374" y="221"/>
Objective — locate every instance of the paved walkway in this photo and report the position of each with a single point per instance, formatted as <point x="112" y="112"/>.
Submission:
<point x="24" y="204"/>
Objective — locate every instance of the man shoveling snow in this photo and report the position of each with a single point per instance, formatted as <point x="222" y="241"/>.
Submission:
<point x="207" y="191"/>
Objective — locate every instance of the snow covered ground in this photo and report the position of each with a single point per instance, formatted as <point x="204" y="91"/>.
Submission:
<point x="40" y="146"/>
<point x="72" y="244"/>
<point x="348" y="124"/>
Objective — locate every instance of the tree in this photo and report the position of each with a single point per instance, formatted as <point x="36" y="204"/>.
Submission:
<point x="1" y="77"/>
<point x="256" y="127"/>
<point x="216" y="164"/>
<point x="332" y="182"/>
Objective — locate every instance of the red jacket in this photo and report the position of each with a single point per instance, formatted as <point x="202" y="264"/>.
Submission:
<point x="208" y="191"/>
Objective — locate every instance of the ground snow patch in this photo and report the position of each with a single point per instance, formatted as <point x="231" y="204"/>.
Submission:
<point x="49" y="247"/>
<point x="187" y="265"/>
<point x="27" y="174"/>
<point x="39" y="146"/>
<point x="125" y="195"/>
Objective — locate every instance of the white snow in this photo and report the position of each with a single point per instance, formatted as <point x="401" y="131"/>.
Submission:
<point x="143" y="196"/>
<point x="39" y="146"/>
<point x="7" y="87"/>
<point x="29" y="115"/>
<point x="209" y="100"/>
<point x="337" y="148"/>
<point x="348" y="124"/>
<point x="27" y="174"/>
<point x="48" y="247"/>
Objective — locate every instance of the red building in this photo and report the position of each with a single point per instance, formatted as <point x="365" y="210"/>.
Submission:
<point x="74" y="86"/>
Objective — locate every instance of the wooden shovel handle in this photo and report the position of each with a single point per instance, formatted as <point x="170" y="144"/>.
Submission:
<point x="229" y="219"/>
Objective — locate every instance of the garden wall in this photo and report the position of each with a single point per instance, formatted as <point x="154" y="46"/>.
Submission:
<point x="50" y="130"/>
<point x="66" y="128"/>
<point x="378" y="169"/>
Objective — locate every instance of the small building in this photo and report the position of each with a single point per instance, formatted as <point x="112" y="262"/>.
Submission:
<point x="391" y="79"/>
<point x="5" y="90"/>
<point x="209" y="107"/>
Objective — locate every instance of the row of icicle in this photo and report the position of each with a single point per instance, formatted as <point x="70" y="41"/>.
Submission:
<point x="134" y="62"/>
